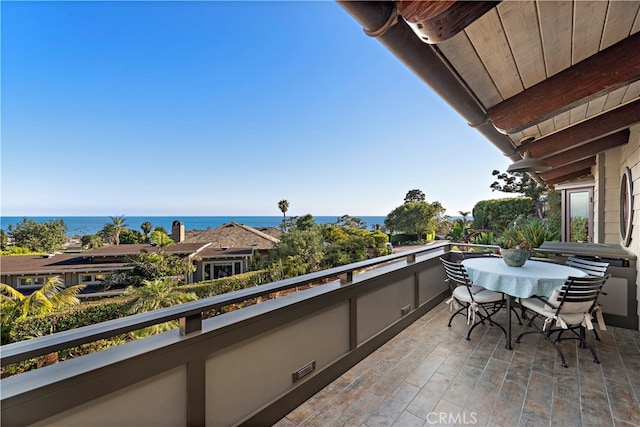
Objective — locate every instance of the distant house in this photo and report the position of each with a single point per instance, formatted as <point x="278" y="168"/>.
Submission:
<point x="218" y="252"/>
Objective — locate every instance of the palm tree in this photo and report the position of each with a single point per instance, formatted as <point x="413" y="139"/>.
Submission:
<point x="116" y="226"/>
<point x="464" y="214"/>
<point x="146" y="229"/>
<point x="50" y="297"/>
<point x="156" y="294"/>
<point x="283" y="205"/>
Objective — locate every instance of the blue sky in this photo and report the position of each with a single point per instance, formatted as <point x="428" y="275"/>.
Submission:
<point x="221" y="108"/>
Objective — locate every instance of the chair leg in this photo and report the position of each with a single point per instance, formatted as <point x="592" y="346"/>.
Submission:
<point x="486" y="316"/>
<point x="459" y="311"/>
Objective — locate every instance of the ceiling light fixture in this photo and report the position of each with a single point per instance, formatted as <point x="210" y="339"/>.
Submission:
<point x="528" y="163"/>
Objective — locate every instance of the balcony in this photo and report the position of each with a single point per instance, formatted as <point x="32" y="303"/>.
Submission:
<point x="430" y="375"/>
<point x="372" y="348"/>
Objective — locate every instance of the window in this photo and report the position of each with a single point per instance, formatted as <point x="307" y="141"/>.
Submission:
<point x="577" y="212"/>
<point x="32" y="281"/>
<point x="626" y="207"/>
<point x="91" y="279"/>
<point x="217" y="270"/>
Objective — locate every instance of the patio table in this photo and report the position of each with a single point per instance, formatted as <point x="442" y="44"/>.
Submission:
<point x="534" y="278"/>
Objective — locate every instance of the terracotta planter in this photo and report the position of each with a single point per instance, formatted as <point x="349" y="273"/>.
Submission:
<point x="515" y="257"/>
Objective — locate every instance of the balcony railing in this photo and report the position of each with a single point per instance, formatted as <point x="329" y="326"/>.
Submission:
<point x="250" y="366"/>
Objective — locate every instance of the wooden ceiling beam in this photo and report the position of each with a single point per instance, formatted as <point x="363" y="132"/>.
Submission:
<point x="610" y="69"/>
<point x="569" y="177"/>
<point x="437" y="21"/>
<point x="590" y="149"/>
<point x="605" y="124"/>
<point x="568" y="169"/>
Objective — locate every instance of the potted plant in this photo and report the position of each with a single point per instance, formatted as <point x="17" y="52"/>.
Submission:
<point x="514" y="248"/>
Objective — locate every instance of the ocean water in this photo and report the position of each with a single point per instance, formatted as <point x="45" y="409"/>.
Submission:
<point x="81" y="225"/>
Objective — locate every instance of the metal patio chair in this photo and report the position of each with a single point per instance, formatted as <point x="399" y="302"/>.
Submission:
<point x="473" y="300"/>
<point x="567" y="310"/>
<point x="596" y="269"/>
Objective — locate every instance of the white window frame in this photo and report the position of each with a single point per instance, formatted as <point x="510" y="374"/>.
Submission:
<point x="33" y="279"/>
<point x="95" y="280"/>
<point x="213" y="264"/>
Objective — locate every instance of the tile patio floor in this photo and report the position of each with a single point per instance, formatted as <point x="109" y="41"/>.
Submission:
<point x="430" y="375"/>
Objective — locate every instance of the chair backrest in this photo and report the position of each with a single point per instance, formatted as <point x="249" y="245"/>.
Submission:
<point x="578" y="294"/>
<point x="456" y="273"/>
<point x="468" y="255"/>
<point x="592" y="268"/>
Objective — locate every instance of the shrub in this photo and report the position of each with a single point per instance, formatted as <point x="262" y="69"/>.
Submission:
<point x="495" y="215"/>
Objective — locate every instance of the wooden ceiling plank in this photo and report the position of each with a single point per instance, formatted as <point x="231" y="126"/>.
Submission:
<point x="620" y="18"/>
<point x="569" y="177"/>
<point x="464" y="58"/>
<point x="437" y="21"/>
<point x="562" y="120"/>
<point x="569" y="168"/>
<point x="556" y="20"/>
<point x="615" y="97"/>
<point x="488" y="39"/>
<point x="589" y="17"/>
<point x="590" y="149"/>
<point x="547" y="127"/>
<point x="579" y="113"/>
<point x="596" y="106"/>
<point x="597" y="127"/>
<point x="520" y="22"/>
<point x="585" y="81"/>
<point x="633" y="92"/>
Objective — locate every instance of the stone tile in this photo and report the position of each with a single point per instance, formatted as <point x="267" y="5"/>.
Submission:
<point x="624" y="405"/>
<point x="463" y="385"/>
<point x="537" y="404"/>
<point x="327" y="417"/>
<point x="509" y="404"/>
<point x="407" y="419"/>
<point x="423" y="372"/>
<point x="318" y="401"/>
<point x="565" y="412"/>
<point x="499" y="385"/>
<point x="566" y="385"/>
<point x="429" y="395"/>
<point x="393" y="406"/>
<point x="595" y="408"/>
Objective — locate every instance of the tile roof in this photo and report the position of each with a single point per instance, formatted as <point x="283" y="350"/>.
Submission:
<point x="60" y="263"/>
<point x="234" y="235"/>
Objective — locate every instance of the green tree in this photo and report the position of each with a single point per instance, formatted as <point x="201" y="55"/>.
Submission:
<point x="298" y="252"/>
<point x="351" y="222"/>
<point x="156" y="294"/>
<point x="91" y="241"/>
<point x="345" y="245"/>
<point x="517" y="182"/>
<point x="158" y="265"/>
<point x="161" y="239"/>
<point x="283" y="205"/>
<point x="417" y="218"/>
<point x="130" y="237"/>
<point x="3" y="240"/>
<point x="161" y="229"/>
<point x="118" y="223"/>
<point x="415" y="196"/>
<point x="52" y="296"/>
<point x="38" y="236"/>
<point x="146" y="229"/>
